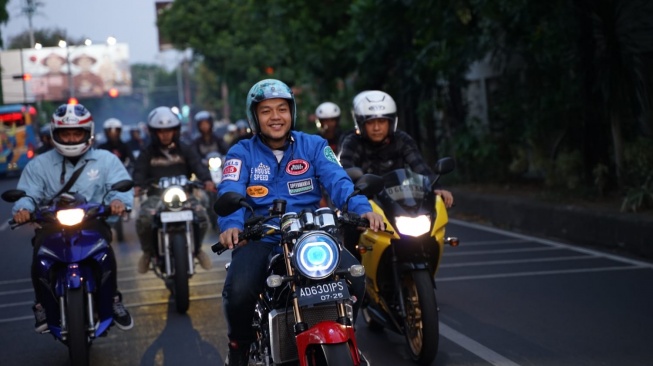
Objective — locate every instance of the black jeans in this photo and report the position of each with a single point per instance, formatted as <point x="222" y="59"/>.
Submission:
<point x="246" y="279"/>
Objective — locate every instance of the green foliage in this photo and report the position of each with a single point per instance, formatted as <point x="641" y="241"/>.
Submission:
<point x="639" y="160"/>
<point x="46" y="37"/>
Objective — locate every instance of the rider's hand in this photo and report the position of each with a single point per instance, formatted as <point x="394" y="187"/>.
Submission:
<point x="376" y="220"/>
<point x="209" y="186"/>
<point x="137" y="191"/>
<point x="229" y="237"/>
<point x="22" y="216"/>
<point x="117" y="207"/>
<point x="446" y="196"/>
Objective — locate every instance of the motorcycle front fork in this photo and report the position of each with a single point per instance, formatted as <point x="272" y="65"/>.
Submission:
<point x="164" y="247"/>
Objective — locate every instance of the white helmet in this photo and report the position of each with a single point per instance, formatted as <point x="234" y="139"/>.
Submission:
<point x="69" y="116"/>
<point x="162" y="118"/>
<point x="327" y="110"/>
<point x="373" y="104"/>
<point x="112" y="124"/>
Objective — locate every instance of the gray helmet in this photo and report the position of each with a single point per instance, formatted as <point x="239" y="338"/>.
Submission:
<point x="203" y="116"/>
<point x="163" y="118"/>
<point x="242" y="124"/>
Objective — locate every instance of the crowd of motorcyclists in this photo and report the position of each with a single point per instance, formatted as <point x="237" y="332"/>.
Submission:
<point x="251" y="151"/>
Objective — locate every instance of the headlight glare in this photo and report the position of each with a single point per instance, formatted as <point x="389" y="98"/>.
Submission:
<point x="413" y="226"/>
<point x="70" y="217"/>
<point x="215" y="163"/>
<point x="174" y="197"/>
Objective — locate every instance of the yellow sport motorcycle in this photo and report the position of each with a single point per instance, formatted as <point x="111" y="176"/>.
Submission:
<point x="401" y="262"/>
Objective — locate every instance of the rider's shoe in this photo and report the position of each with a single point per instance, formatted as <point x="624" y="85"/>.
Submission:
<point x="41" y="324"/>
<point x="204" y="259"/>
<point x="121" y="317"/>
<point x="238" y="355"/>
<point x="144" y="263"/>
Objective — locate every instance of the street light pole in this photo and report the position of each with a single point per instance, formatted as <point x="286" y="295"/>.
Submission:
<point x="71" y="87"/>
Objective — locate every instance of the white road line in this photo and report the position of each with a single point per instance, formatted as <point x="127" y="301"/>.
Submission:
<point x="517" y="261"/>
<point x="10" y="282"/>
<point x="492" y="242"/>
<point x="502" y="251"/>
<point x="5" y="225"/>
<point x="537" y="273"/>
<point x="474" y="347"/>
<point x="551" y="243"/>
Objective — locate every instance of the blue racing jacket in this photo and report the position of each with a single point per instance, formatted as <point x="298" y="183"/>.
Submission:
<point x="42" y="178"/>
<point x="252" y="169"/>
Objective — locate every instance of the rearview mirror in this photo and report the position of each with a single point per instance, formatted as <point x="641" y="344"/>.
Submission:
<point x="229" y="203"/>
<point x="123" y="185"/>
<point x="13" y="195"/>
<point x="369" y="184"/>
<point x="445" y="166"/>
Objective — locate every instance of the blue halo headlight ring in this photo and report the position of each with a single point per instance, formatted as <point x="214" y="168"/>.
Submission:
<point x="316" y="255"/>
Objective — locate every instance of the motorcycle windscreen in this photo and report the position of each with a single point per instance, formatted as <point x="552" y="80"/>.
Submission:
<point x="406" y="187"/>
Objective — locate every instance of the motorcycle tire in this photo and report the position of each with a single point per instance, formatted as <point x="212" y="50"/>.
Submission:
<point x="421" y="324"/>
<point x="180" y="257"/>
<point x="77" y="339"/>
<point x="329" y="355"/>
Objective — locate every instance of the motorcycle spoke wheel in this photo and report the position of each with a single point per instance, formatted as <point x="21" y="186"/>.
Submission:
<point x="421" y="327"/>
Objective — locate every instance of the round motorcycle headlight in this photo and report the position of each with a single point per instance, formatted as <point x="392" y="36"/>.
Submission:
<point x="215" y="163"/>
<point x="316" y="255"/>
<point x="174" y="197"/>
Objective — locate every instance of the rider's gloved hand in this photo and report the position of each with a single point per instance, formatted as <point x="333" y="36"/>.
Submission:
<point x="117" y="207"/>
<point x="447" y="197"/>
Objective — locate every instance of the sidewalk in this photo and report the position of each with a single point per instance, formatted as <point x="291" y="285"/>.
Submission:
<point x="593" y="227"/>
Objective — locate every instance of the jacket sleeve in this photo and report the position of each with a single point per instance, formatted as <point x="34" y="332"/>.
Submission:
<point x="336" y="181"/>
<point x="413" y="157"/>
<point x="235" y="176"/>
<point x="349" y="155"/>
<point x="32" y="183"/>
<point x="195" y="163"/>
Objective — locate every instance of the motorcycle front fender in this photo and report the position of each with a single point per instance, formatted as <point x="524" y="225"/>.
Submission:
<point x="327" y="332"/>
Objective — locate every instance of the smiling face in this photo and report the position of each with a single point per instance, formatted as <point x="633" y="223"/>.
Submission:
<point x="275" y="121"/>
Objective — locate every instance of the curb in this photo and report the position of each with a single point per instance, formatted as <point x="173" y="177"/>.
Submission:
<point x="592" y="227"/>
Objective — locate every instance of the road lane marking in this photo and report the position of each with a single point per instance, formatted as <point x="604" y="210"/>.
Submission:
<point x="536" y="273"/>
<point x="474" y="347"/>
<point x="500" y="251"/>
<point x="492" y="242"/>
<point x="551" y="243"/>
<point x="517" y="261"/>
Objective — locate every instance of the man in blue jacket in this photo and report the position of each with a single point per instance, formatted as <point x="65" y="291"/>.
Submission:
<point x="72" y="137"/>
<point x="277" y="163"/>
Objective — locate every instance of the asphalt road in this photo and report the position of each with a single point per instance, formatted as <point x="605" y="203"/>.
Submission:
<point x="505" y="299"/>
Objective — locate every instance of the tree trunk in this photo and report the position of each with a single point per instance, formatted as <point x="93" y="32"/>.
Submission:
<point x="618" y="143"/>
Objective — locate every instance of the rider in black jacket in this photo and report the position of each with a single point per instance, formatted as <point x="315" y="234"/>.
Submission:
<point x="166" y="156"/>
<point x="112" y="131"/>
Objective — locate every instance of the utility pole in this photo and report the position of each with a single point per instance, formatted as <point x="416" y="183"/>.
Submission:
<point x="29" y="9"/>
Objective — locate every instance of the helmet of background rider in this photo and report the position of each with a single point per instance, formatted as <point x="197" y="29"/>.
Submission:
<point x="373" y="104"/>
<point x="161" y="118"/>
<point x="44" y="132"/>
<point x="69" y="116"/>
<point x="353" y="103"/>
<point x="327" y="110"/>
<point x="268" y="89"/>
<point x="112" y="124"/>
<point x="242" y="124"/>
<point x="202" y="116"/>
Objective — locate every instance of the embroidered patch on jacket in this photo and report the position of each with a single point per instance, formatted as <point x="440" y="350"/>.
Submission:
<point x="300" y="186"/>
<point x="231" y="170"/>
<point x="297" y="167"/>
<point x="330" y="155"/>
<point x="257" y="191"/>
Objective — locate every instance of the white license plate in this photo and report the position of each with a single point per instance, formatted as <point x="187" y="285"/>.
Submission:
<point x="178" y="216"/>
<point x="322" y="292"/>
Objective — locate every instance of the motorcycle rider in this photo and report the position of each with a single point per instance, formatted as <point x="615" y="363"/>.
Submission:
<point x="242" y="132"/>
<point x="166" y="156"/>
<point x="113" y="130"/>
<point x="46" y="140"/>
<point x="277" y="153"/>
<point x="207" y="142"/>
<point x="72" y="136"/>
<point x="328" y="124"/>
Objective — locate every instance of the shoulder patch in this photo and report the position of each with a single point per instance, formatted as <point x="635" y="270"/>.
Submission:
<point x="231" y="170"/>
<point x="257" y="191"/>
<point x="330" y="155"/>
<point x="297" y="167"/>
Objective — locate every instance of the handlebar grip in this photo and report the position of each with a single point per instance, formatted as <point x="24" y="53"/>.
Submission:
<point x="218" y="248"/>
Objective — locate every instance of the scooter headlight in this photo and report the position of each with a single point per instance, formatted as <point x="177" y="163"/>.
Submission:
<point x="174" y="198"/>
<point x="215" y="163"/>
<point x="413" y="226"/>
<point x="316" y="255"/>
<point x="70" y="217"/>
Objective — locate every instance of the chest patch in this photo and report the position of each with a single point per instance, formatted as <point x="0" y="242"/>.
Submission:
<point x="257" y="191"/>
<point x="297" y="167"/>
<point x="300" y="186"/>
<point x="261" y="173"/>
<point x="231" y="170"/>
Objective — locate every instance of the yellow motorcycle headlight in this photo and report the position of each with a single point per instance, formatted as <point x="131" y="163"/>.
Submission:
<point x="215" y="163"/>
<point x="174" y="197"/>
<point x="413" y="226"/>
<point x="70" y="217"/>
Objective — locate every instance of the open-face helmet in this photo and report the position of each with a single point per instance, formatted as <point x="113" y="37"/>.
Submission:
<point x="112" y="124"/>
<point x="269" y="89"/>
<point x="373" y="104"/>
<point x="203" y="116"/>
<point x="71" y="116"/>
<point x="161" y="118"/>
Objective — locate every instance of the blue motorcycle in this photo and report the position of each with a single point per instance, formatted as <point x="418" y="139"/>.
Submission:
<point x="73" y="264"/>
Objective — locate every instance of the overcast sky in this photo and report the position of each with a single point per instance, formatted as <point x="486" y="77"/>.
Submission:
<point x="130" y="21"/>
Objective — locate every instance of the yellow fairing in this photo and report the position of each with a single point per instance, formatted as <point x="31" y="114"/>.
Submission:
<point x="441" y="219"/>
<point x="376" y="243"/>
